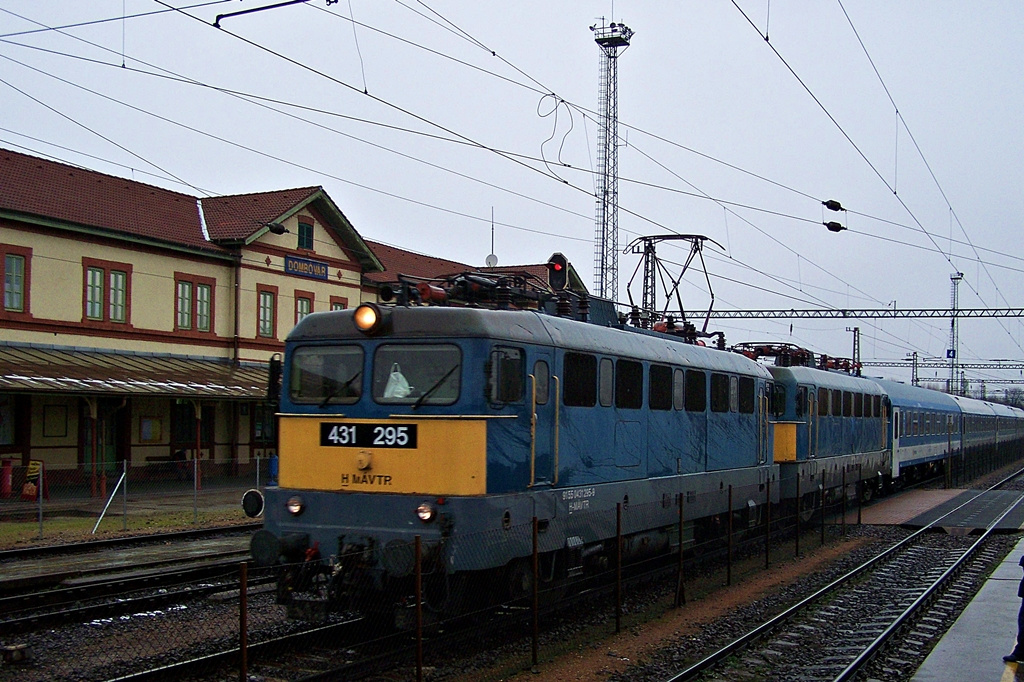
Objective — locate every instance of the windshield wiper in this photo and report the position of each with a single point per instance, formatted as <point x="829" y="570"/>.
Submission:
<point x="434" y="387"/>
<point x="339" y="388"/>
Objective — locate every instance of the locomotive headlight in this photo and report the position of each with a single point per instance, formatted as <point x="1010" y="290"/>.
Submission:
<point x="426" y="512"/>
<point x="370" y="319"/>
<point x="295" y="505"/>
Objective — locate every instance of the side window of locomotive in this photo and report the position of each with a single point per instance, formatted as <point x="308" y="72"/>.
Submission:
<point x="877" y="400"/>
<point x="847" y="404"/>
<point x="660" y="392"/>
<point x="506" y="377"/>
<point x="746" y="395"/>
<point x="543" y="379"/>
<point x="606" y="382"/>
<point x="629" y="384"/>
<point x="837" y="403"/>
<point x="719" y="392"/>
<point x="678" y="389"/>
<point x="580" y="389"/>
<point x="858" y="404"/>
<point x="425" y="374"/>
<point x="734" y="395"/>
<point x="325" y="375"/>
<point x="696" y="391"/>
<point x="823" y="399"/>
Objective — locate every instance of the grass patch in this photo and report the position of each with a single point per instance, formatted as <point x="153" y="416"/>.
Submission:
<point x="59" y="530"/>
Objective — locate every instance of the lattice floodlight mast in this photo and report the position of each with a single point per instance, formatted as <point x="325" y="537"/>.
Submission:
<point x="954" y="336"/>
<point x="611" y="39"/>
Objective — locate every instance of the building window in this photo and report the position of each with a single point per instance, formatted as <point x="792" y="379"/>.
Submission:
<point x="118" y="291"/>
<point x="305" y="236"/>
<point x="107" y="291"/>
<point x="193" y="302"/>
<point x="94" y="294"/>
<point x="264" y="431"/>
<point x="184" y="305"/>
<point x="303" y="304"/>
<point x="14" y="283"/>
<point x="15" y="271"/>
<point x="338" y="303"/>
<point x="203" y="315"/>
<point x="267" y="319"/>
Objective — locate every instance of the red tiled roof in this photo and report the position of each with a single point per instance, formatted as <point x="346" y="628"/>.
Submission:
<point x="239" y="215"/>
<point x="47" y="189"/>
<point x="37" y="187"/>
<point x="398" y="261"/>
<point x="540" y="271"/>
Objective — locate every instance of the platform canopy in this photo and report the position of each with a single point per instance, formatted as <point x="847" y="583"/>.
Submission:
<point x="91" y="372"/>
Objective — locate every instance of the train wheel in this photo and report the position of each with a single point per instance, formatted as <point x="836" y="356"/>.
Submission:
<point x="519" y="579"/>
<point x="809" y="504"/>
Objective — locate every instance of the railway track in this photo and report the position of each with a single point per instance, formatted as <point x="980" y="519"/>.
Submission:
<point x="97" y="594"/>
<point x="835" y="633"/>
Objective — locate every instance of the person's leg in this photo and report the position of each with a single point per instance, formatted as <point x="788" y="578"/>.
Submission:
<point x="1019" y="649"/>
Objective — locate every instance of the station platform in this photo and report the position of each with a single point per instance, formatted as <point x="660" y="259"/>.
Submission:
<point x="918" y="508"/>
<point x="974" y="647"/>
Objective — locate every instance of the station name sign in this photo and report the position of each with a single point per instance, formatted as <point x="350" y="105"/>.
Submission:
<point x="303" y="267"/>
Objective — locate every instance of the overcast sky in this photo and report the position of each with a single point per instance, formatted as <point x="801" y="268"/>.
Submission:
<point x="421" y="119"/>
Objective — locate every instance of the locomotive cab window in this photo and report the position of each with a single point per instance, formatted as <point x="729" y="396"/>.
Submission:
<point x="506" y="376"/>
<point x="426" y="374"/>
<point x="823" y="401"/>
<point x="326" y="375"/>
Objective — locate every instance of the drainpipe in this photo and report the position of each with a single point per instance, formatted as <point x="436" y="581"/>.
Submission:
<point x="199" y="453"/>
<point x="236" y="342"/>
<point x="91" y="402"/>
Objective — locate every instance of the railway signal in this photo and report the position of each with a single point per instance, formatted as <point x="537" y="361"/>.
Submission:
<point x="558" y="272"/>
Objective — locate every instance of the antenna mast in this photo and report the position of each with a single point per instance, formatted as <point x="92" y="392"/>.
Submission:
<point x="610" y="38"/>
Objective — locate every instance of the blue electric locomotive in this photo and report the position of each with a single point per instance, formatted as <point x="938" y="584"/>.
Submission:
<point x="460" y="425"/>
<point x="832" y="422"/>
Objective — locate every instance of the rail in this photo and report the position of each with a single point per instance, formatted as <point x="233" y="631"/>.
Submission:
<point x="725" y="652"/>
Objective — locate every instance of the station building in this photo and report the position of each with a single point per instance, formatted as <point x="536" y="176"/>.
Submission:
<point x="138" y="322"/>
